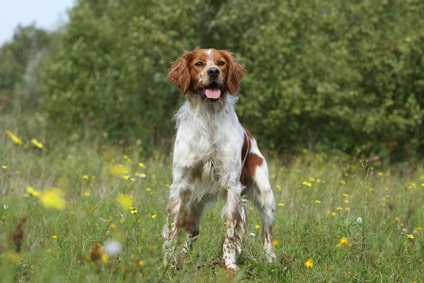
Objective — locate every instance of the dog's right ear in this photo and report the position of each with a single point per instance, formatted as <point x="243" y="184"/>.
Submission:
<point x="179" y="73"/>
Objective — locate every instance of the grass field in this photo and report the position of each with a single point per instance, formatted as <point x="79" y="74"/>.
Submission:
<point x="74" y="210"/>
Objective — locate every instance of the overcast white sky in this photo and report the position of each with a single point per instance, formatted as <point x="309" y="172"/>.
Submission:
<point x="46" y="14"/>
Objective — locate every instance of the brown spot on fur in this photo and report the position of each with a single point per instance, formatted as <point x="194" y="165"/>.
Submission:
<point x="246" y="144"/>
<point x="196" y="172"/>
<point x="268" y="237"/>
<point x="249" y="168"/>
<point x="189" y="225"/>
<point x="252" y="160"/>
<point x="235" y="73"/>
<point x="179" y="73"/>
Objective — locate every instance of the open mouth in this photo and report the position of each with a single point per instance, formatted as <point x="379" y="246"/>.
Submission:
<point x="211" y="92"/>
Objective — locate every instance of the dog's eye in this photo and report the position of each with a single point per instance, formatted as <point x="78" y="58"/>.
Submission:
<point x="198" y="64"/>
<point x="221" y="63"/>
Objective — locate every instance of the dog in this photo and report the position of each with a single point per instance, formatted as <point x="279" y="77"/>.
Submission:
<point x="214" y="156"/>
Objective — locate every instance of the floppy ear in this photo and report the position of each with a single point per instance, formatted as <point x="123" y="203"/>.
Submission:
<point x="179" y="73"/>
<point x="234" y="76"/>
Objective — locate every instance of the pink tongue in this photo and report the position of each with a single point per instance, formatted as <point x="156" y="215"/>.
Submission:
<point x="213" y="93"/>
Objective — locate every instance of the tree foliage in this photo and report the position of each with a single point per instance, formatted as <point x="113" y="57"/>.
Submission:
<point x="18" y="61"/>
<point x="333" y="74"/>
<point x="328" y="75"/>
<point x="110" y="74"/>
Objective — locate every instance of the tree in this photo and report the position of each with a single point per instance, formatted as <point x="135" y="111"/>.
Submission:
<point x="110" y="74"/>
<point x="18" y="59"/>
<point x="327" y="75"/>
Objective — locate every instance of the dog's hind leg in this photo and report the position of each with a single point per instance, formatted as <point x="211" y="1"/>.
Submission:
<point x="260" y="193"/>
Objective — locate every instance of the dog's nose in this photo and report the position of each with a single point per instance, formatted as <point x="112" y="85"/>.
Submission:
<point x="213" y="72"/>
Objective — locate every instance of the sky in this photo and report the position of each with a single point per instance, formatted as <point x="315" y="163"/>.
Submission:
<point x="46" y="14"/>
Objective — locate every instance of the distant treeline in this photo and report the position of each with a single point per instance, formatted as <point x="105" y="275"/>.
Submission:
<point x="326" y="75"/>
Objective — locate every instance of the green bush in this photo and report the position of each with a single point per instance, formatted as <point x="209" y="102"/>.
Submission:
<point x="19" y="59"/>
<point x="110" y="74"/>
<point x="327" y="76"/>
<point x="332" y="74"/>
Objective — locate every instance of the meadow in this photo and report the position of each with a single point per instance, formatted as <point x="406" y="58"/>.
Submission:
<point x="73" y="209"/>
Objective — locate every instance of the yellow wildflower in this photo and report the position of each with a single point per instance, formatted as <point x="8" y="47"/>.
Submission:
<point x="309" y="263"/>
<point x="140" y="262"/>
<point x="275" y="243"/>
<point x="14" y="138"/>
<point x="128" y="177"/>
<point x="104" y="257"/>
<point x="141" y="165"/>
<point x="307" y="184"/>
<point x="154" y="216"/>
<point x="52" y="198"/>
<point x="126" y="201"/>
<point x="257" y="226"/>
<point x="343" y="242"/>
<point x="119" y="170"/>
<point x="32" y="192"/>
<point x="133" y="210"/>
<point x="54" y="237"/>
<point x="36" y="143"/>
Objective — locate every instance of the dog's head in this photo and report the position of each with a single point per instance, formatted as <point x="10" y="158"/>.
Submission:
<point x="209" y="73"/>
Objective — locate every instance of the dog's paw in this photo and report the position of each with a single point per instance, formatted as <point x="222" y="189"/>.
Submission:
<point x="270" y="256"/>
<point x="231" y="266"/>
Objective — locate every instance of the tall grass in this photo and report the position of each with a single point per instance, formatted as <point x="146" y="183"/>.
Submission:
<point x="338" y="220"/>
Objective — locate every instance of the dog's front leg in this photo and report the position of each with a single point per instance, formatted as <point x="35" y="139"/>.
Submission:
<point x="178" y="198"/>
<point x="235" y="216"/>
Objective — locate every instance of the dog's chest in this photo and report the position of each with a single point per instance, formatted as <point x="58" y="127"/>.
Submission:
<point x="208" y="149"/>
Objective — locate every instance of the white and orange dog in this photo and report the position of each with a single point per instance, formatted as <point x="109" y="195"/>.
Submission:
<point x="214" y="155"/>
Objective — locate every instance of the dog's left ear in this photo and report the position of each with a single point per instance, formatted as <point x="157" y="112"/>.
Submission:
<point x="179" y="72"/>
<point x="234" y="76"/>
